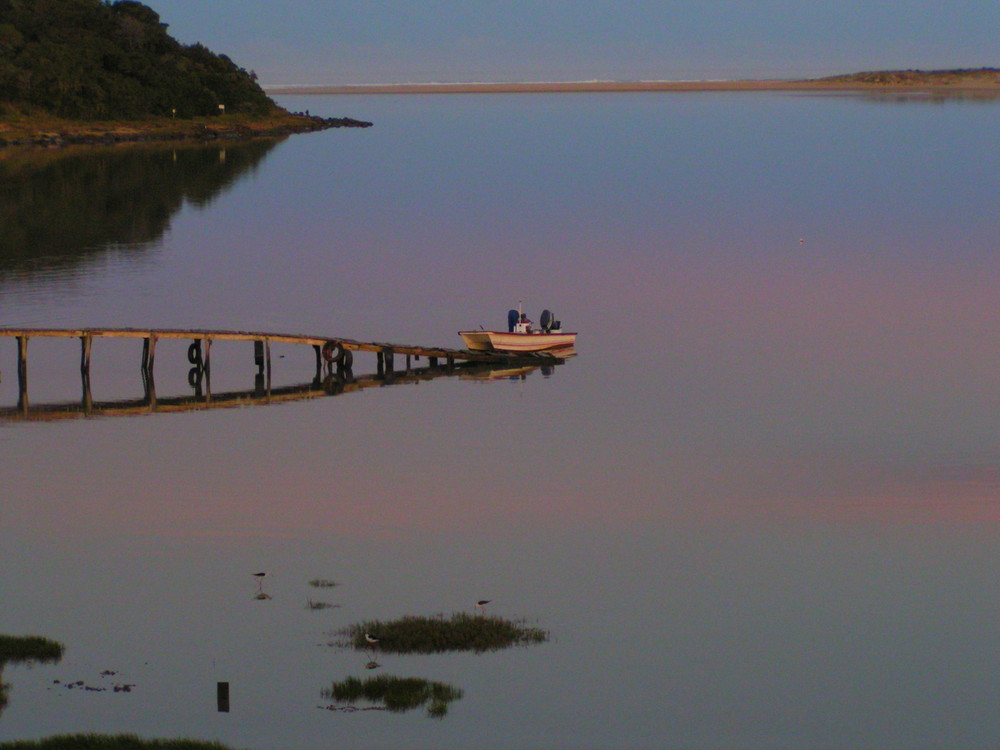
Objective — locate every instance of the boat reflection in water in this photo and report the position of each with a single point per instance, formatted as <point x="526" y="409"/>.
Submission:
<point x="501" y="372"/>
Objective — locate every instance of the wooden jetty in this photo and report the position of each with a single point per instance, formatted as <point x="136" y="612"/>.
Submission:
<point x="334" y="359"/>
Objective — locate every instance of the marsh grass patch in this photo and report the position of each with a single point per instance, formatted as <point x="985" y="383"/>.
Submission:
<point x="314" y="605"/>
<point x="25" y="650"/>
<point x="322" y="583"/>
<point x="31" y="648"/>
<point x="109" y="742"/>
<point x="396" y="694"/>
<point x="430" y="635"/>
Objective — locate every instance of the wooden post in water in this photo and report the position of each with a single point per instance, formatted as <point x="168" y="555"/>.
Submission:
<point x="148" y="355"/>
<point x="88" y="399"/>
<point x="148" y="384"/>
<point x="22" y="374"/>
<point x="267" y="357"/>
<point x="222" y="696"/>
<point x="258" y="355"/>
<point x="85" y="342"/>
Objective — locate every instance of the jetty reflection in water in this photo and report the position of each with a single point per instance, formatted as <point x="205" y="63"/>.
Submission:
<point x="329" y="382"/>
<point x="59" y="208"/>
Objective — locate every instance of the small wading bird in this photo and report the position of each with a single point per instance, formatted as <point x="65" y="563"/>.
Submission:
<point x="371" y="641"/>
<point x="260" y="580"/>
<point x="481" y="604"/>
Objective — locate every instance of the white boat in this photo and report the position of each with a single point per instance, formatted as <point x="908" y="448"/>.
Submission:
<point x="521" y="337"/>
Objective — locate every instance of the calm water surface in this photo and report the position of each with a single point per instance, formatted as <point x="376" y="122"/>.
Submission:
<point x="760" y="509"/>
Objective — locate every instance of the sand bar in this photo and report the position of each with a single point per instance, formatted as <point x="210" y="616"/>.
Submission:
<point x="958" y="86"/>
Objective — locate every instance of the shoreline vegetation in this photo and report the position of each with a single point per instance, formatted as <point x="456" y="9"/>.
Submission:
<point x="108" y="71"/>
<point x="979" y="81"/>
<point x="37" y="128"/>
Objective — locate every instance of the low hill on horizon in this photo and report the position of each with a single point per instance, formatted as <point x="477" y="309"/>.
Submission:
<point x="98" y="59"/>
<point x="947" y="77"/>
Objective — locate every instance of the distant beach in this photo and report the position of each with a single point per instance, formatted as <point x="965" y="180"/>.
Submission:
<point x="955" y="84"/>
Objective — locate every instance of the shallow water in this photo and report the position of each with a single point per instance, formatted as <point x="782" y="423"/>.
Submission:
<point x="758" y="510"/>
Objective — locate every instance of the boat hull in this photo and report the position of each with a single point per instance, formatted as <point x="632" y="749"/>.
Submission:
<point x="531" y="342"/>
<point x="476" y="341"/>
<point x="517" y="343"/>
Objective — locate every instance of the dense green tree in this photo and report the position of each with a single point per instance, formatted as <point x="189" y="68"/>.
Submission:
<point x="93" y="59"/>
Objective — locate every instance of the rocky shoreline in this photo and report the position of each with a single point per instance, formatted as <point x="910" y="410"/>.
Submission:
<point x="54" y="133"/>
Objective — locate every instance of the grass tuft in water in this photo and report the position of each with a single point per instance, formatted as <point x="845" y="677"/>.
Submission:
<point x="15" y="649"/>
<point x="25" y="649"/>
<point x="397" y="694"/>
<point x="108" y="742"/>
<point x="430" y="635"/>
<point x="310" y="604"/>
<point x="322" y="583"/>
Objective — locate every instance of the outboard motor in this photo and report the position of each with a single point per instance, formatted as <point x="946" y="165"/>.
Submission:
<point x="546" y="321"/>
<point x="512" y="317"/>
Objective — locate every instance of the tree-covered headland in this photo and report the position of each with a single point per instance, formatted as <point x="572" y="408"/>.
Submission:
<point x="97" y="59"/>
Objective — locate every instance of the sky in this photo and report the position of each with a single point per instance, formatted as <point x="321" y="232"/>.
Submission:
<point x="417" y="41"/>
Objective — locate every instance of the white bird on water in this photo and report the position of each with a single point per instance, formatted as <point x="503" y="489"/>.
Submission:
<point x="371" y="641"/>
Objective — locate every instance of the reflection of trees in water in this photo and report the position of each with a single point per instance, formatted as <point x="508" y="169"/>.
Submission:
<point x="58" y="207"/>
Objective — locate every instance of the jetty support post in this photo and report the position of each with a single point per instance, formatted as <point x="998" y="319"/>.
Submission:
<point x="262" y="359"/>
<point x="148" y="383"/>
<point x="148" y="354"/>
<point x="267" y="362"/>
<point x="85" y="344"/>
<point x="258" y="355"/>
<point x="148" y="388"/>
<point x="319" y="362"/>
<point x="388" y="357"/>
<point x="22" y="374"/>
<point x="88" y="398"/>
